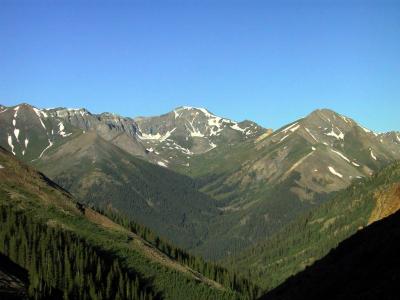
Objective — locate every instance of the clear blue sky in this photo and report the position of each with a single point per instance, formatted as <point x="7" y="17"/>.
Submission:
<point x="269" y="61"/>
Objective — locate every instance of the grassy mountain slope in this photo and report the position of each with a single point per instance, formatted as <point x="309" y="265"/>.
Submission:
<point x="27" y="198"/>
<point x="100" y="173"/>
<point x="364" y="266"/>
<point x="267" y="182"/>
<point x="311" y="236"/>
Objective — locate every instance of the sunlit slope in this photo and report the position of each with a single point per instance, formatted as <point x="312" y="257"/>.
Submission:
<point x="100" y="173"/>
<point x="29" y="196"/>
<point x="312" y="236"/>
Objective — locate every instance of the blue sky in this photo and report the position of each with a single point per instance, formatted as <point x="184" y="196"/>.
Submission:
<point x="268" y="61"/>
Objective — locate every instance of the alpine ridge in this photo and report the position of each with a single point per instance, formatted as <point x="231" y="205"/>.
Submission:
<point x="239" y="175"/>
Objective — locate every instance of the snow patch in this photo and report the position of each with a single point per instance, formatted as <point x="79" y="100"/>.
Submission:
<point x="365" y="129"/>
<point x="282" y="139"/>
<point x="162" y="164"/>
<point x="40" y="113"/>
<point x="212" y="146"/>
<point x="10" y="143"/>
<point x="26" y="142"/>
<point x="195" y="132"/>
<point x="63" y="113"/>
<point x="16" y="111"/>
<point x="341" y="155"/>
<point x="236" y="127"/>
<point x="184" y="150"/>
<point x="372" y="154"/>
<point x="294" y="128"/>
<point x="45" y="149"/>
<point x="215" y="124"/>
<point x="309" y="132"/>
<point x="167" y="135"/>
<point x="313" y="148"/>
<point x="289" y="127"/>
<point x="61" y="130"/>
<point x="339" y="136"/>
<point x="157" y="136"/>
<point x="16" y="133"/>
<point x="14" y="122"/>
<point x="334" y="172"/>
<point x="345" y="119"/>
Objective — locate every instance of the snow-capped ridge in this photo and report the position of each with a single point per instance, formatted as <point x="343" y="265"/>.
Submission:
<point x="64" y="112"/>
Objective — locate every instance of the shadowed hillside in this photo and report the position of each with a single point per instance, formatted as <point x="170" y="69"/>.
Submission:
<point x="13" y="280"/>
<point x="365" y="266"/>
<point x="311" y="236"/>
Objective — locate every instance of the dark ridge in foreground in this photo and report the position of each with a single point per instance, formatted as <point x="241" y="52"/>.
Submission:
<point x="13" y="280"/>
<point x="365" y="266"/>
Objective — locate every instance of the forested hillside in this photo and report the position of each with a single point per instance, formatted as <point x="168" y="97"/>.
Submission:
<point x="100" y="173"/>
<point x="365" y="266"/>
<point x="70" y="251"/>
<point x="265" y="183"/>
<point x="313" y="235"/>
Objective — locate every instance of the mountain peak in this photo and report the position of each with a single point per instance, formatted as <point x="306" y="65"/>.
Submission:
<point x="205" y="111"/>
<point x="324" y="112"/>
<point x="329" y="118"/>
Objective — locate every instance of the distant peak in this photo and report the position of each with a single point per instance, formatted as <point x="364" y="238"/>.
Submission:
<point x="24" y="104"/>
<point x="323" y="111"/>
<point x="334" y="119"/>
<point x="202" y="109"/>
<point x="205" y="111"/>
<point x="328" y="115"/>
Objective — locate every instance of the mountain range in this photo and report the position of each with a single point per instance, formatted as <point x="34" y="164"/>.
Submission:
<point x="265" y="204"/>
<point x="234" y="183"/>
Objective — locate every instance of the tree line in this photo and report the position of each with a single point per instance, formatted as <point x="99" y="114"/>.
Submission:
<point x="61" y="265"/>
